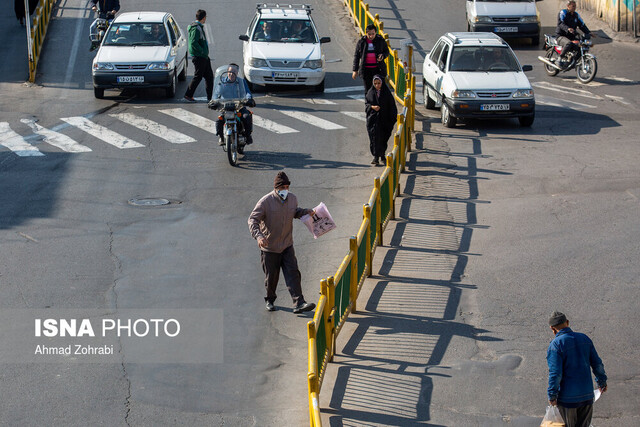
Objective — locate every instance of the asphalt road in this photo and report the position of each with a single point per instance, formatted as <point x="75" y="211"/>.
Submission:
<point x="556" y="227"/>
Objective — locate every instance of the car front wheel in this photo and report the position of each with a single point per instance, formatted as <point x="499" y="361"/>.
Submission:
<point x="171" y="90"/>
<point x="447" y="119"/>
<point x="526" y="121"/>
<point x="98" y="92"/>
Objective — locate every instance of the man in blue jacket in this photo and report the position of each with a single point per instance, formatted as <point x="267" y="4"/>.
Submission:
<point x="571" y="357"/>
<point x="568" y="22"/>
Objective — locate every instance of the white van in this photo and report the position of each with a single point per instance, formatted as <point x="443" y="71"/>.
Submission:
<point x="508" y="19"/>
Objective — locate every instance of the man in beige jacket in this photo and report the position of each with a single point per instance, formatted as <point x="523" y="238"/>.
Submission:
<point x="271" y="224"/>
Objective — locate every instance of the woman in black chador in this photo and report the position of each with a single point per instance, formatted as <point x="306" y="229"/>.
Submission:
<point x="381" y="110"/>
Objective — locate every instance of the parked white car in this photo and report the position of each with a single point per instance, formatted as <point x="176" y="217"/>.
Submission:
<point x="507" y="18"/>
<point x="141" y="50"/>
<point x="282" y="47"/>
<point x="475" y="76"/>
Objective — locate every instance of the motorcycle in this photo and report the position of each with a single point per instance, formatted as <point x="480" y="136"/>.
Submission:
<point x="578" y="58"/>
<point x="229" y="98"/>
<point x="99" y="27"/>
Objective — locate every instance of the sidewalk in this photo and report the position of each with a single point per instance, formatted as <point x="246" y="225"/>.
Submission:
<point x="383" y="374"/>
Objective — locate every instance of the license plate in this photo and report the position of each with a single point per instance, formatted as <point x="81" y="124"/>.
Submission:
<point x="130" y="79"/>
<point x="494" y="107"/>
<point x="505" y="30"/>
<point x="286" y="75"/>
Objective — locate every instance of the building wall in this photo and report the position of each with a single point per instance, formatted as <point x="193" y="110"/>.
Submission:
<point x="617" y="13"/>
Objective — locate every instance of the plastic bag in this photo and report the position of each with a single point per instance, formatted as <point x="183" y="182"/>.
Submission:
<point x="320" y="223"/>
<point x="552" y="418"/>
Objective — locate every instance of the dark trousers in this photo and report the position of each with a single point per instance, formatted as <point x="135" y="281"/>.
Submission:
<point x="576" y="417"/>
<point x="247" y="122"/>
<point x="566" y="43"/>
<point x="271" y="264"/>
<point x="202" y="69"/>
<point x="367" y="77"/>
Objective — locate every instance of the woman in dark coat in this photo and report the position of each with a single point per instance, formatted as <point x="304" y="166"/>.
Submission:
<point x="368" y="59"/>
<point x="381" y="110"/>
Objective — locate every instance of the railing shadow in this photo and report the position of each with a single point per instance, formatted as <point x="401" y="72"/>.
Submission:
<point x="409" y="321"/>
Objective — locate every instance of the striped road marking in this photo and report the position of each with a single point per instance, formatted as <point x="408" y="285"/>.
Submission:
<point x="56" y="139"/>
<point x="312" y="120"/>
<point x="343" y="89"/>
<point x="154" y="128"/>
<point x="563" y="89"/>
<point x="562" y="103"/>
<point x="191" y="118"/>
<point x="357" y="97"/>
<point x="16" y="143"/>
<point x="101" y="132"/>
<point x="318" y="101"/>
<point x="619" y="99"/>
<point x="271" y="125"/>
<point x="356" y="115"/>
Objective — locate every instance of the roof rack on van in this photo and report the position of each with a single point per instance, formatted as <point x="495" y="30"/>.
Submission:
<point x="305" y="7"/>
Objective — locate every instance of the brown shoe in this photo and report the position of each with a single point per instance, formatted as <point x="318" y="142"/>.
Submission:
<point x="189" y="98"/>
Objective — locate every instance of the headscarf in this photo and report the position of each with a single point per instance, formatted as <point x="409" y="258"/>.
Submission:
<point x="377" y="76"/>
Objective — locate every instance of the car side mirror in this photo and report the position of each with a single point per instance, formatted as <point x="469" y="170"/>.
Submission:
<point x="325" y="39"/>
<point x="244" y="38"/>
<point x="527" y="67"/>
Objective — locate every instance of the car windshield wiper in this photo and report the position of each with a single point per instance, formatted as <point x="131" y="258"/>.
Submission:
<point x="150" y="43"/>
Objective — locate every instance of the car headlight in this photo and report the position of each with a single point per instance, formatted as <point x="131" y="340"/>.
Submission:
<point x="313" y="64"/>
<point x="529" y="19"/>
<point x="258" y="63"/>
<point x="483" y="19"/>
<point x="99" y="66"/>
<point x="159" y="66"/>
<point x="463" y="94"/>
<point x="523" y="93"/>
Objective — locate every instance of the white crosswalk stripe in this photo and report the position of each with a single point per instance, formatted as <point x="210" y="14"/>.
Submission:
<point x="312" y="120"/>
<point x="618" y="99"/>
<point x="271" y="126"/>
<point x="101" y="132"/>
<point x="360" y="115"/>
<point x="56" y="139"/>
<point x="562" y="103"/>
<point x="343" y="89"/>
<point x="565" y="90"/>
<point x="357" y="97"/>
<point x="319" y="101"/>
<point x="16" y="143"/>
<point x="191" y="118"/>
<point x="154" y="128"/>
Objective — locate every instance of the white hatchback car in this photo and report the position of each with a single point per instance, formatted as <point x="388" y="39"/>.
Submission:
<point x="141" y="50"/>
<point x="281" y="47"/>
<point x="475" y="76"/>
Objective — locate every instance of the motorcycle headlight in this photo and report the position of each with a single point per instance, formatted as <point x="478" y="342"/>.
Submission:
<point x="587" y="42"/>
<point x="258" y="63"/>
<point x="313" y="64"/>
<point x="483" y="19"/>
<point x="159" y="66"/>
<point x="523" y="93"/>
<point x="529" y="19"/>
<point x="100" y="66"/>
<point x="463" y="94"/>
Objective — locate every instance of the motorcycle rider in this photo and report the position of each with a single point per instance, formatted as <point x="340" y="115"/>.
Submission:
<point x="229" y="84"/>
<point x="107" y="10"/>
<point x="568" y="22"/>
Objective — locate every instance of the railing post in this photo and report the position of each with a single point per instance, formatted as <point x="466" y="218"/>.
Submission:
<point x="403" y="137"/>
<point x="326" y="315"/>
<point x="331" y="289"/>
<point x="353" y="280"/>
<point x="412" y="125"/>
<point x="312" y="374"/>
<point x="368" y="259"/>
<point x="377" y="186"/>
<point x="366" y="16"/>
<point x="392" y="186"/>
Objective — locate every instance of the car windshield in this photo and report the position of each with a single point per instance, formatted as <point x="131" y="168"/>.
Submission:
<point x="228" y="86"/>
<point x="137" y="34"/>
<point x="284" y="31"/>
<point x="474" y="58"/>
<point x="507" y="1"/>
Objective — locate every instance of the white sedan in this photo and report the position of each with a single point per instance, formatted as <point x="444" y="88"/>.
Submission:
<point x="141" y="50"/>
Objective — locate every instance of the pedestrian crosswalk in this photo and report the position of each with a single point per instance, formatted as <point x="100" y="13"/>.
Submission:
<point x="24" y="146"/>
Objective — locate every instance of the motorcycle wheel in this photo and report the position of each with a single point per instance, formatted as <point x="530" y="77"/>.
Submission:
<point x="586" y="69"/>
<point x="551" y="56"/>
<point x="232" y="149"/>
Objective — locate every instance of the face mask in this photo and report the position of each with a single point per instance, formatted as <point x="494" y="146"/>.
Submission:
<point x="283" y="194"/>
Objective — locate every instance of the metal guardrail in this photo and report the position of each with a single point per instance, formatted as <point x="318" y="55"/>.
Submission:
<point x="36" y="34"/>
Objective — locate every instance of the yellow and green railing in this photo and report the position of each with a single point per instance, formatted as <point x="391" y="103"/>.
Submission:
<point x="42" y="16"/>
<point x="339" y="293"/>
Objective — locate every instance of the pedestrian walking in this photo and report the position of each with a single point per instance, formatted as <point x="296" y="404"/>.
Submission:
<point x="368" y="60"/>
<point x="381" y="110"/>
<point x="199" y="51"/>
<point x="571" y="358"/>
<point x="271" y="224"/>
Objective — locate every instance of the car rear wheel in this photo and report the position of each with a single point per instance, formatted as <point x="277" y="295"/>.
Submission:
<point x="98" y="92"/>
<point x="171" y="90"/>
<point x="447" y="119"/>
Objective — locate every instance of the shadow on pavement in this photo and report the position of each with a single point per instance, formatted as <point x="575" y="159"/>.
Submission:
<point x="385" y="370"/>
